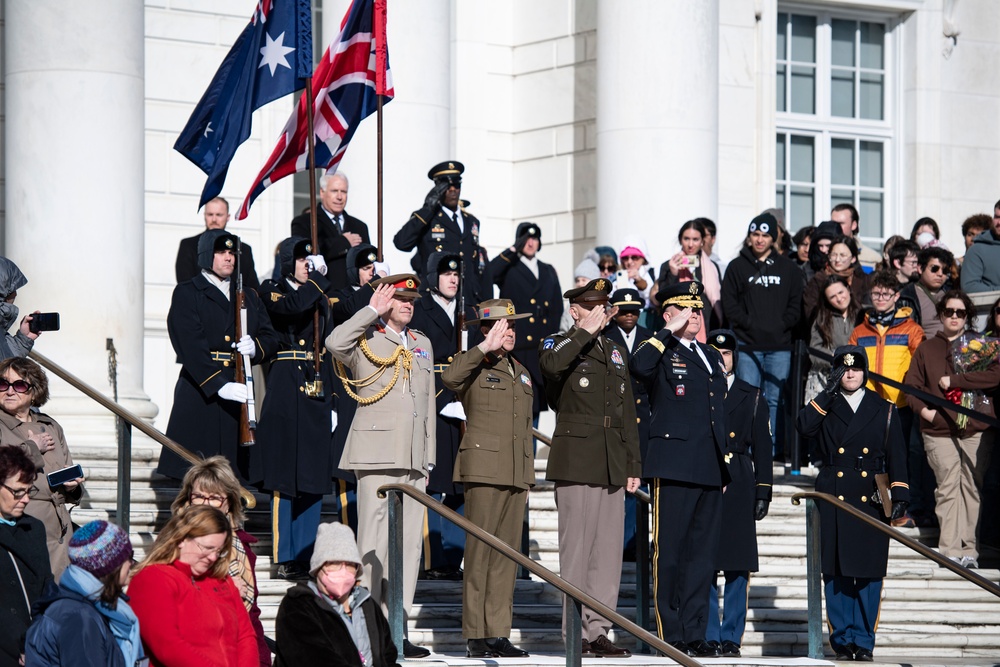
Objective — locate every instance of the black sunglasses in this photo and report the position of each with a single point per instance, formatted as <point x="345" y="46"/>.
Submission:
<point x="936" y="268"/>
<point x="608" y="267"/>
<point x="955" y="312"/>
<point x="20" y="386"/>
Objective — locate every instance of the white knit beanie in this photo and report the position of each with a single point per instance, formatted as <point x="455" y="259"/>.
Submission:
<point x="334" y="542"/>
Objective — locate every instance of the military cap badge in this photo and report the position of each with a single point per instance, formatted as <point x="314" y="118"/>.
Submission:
<point x="848" y="359"/>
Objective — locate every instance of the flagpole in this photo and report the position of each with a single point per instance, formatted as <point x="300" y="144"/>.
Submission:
<point x="312" y="215"/>
<point x="379" y="30"/>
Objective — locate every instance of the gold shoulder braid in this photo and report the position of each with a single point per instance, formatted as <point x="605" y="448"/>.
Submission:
<point x="400" y="359"/>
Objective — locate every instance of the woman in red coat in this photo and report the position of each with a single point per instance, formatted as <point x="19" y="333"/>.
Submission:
<point x="190" y="612"/>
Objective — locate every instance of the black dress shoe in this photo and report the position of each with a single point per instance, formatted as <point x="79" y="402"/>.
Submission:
<point x="293" y="571"/>
<point x="863" y="655"/>
<point x="446" y="573"/>
<point x="586" y="651"/>
<point x="730" y="648"/>
<point x="603" y="648"/>
<point x="683" y="648"/>
<point x="478" y="648"/>
<point x="414" y="651"/>
<point x="702" y="649"/>
<point x="502" y="648"/>
<point x="845" y="652"/>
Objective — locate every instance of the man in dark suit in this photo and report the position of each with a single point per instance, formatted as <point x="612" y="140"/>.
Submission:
<point x="186" y="267"/>
<point x="625" y="331"/>
<point x="202" y="325"/>
<point x="337" y="232"/>
<point x="594" y="456"/>
<point x="444" y="224"/>
<point x="533" y="286"/>
<point x="748" y="459"/>
<point x="687" y="389"/>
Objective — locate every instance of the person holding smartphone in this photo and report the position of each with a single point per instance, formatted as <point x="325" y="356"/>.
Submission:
<point x="24" y="388"/>
<point x="20" y="344"/>
<point x="692" y="263"/>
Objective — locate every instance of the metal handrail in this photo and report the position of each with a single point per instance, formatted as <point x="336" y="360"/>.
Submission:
<point x="813" y="565"/>
<point x="129" y="417"/>
<point x="573" y="657"/>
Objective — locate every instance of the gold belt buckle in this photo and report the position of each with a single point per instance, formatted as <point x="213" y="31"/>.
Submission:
<point x="314" y="389"/>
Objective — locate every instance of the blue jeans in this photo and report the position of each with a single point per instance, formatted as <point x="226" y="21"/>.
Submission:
<point x="769" y="371"/>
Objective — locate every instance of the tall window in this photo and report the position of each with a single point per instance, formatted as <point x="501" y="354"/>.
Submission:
<point x="835" y="121"/>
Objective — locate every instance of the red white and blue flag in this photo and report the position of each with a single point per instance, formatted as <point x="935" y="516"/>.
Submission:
<point x="345" y="92"/>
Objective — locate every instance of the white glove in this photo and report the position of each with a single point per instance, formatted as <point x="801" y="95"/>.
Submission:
<point x="317" y="263"/>
<point x="246" y="346"/>
<point x="234" y="391"/>
<point x="382" y="268"/>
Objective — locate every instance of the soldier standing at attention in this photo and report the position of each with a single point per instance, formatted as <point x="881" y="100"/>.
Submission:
<point x="496" y="464"/>
<point x="748" y="458"/>
<point x="594" y="456"/>
<point x="687" y="389"/>
<point x="392" y="437"/>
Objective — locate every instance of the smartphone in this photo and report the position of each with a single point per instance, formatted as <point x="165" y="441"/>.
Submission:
<point x="66" y="474"/>
<point x="44" y="322"/>
<point x="691" y="261"/>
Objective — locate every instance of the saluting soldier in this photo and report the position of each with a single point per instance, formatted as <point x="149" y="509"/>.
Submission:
<point x="687" y="390"/>
<point x="860" y="437"/>
<point x="626" y="331"/>
<point x="533" y="287"/>
<point x="496" y="464"/>
<point x="392" y="437"/>
<point x="748" y="459"/>
<point x="594" y="455"/>
<point x="295" y="429"/>
<point x="201" y="323"/>
<point x="443" y="224"/>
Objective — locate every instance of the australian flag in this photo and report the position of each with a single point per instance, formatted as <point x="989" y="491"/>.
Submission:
<point x="271" y="58"/>
<point x="344" y="94"/>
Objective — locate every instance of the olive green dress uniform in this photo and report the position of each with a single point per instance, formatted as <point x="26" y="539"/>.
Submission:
<point x="496" y="464"/>
<point x="391" y="440"/>
<point x="595" y="449"/>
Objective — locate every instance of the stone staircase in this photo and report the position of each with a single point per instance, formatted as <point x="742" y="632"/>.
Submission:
<point x="928" y="614"/>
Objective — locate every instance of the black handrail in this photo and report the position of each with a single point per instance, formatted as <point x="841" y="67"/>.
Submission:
<point x="813" y="566"/>
<point x="573" y="656"/>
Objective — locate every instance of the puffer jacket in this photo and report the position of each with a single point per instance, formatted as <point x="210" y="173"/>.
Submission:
<point x="890" y="350"/>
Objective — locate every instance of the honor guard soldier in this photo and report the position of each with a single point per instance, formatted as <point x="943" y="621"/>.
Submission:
<point x="201" y="322"/>
<point x="496" y="463"/>
<point x="594" y="455"/>
<point x="625" y="331"/>
<point x="860" y="438"/>
<point x="295" y="430"/>
<point x="748" y="459"/>
<point x="687" y="390"/>
<point x="443" y="224"/>
<point x="392" y="437"/>
<point x="436" y="315"/>
<point x="533" y="287"/>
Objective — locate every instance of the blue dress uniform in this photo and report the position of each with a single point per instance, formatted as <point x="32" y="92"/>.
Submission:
<point x="430" y="229"/>
<point x="748" y="459"/>
<point x="540" y="298"/>
<point x="856" y="444"/>
<point x="295" y="430"/>
<point x="685" y="458"/>
<point x="201" y="323"/>
<point x="444" y="543"/>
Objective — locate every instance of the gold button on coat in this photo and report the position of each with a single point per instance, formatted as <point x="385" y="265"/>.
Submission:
<point x="864" y="473"/>
<point x="864" y="451"/>
<point x="840" y="473"/>
<point x="840" y="497"/>
<point x="841" y="450"/>
<point x="864" y="499"/>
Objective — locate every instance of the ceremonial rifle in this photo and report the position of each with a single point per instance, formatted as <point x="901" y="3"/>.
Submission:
<point x="248" y="412"/>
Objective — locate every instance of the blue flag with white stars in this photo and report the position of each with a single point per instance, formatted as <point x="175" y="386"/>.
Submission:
<point x="271" y="58"/>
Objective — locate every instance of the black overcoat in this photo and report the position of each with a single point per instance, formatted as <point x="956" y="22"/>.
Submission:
<point x="25" y="542"/>
<point x="201" y="321"/>
<point x="855" y="446"/>
<point x="332" y="244"/>
<point x="748" y="459"/>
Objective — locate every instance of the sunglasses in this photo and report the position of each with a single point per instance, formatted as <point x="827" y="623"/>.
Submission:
<point x="936" y="268"/>
<point x="955" y="312"/>
<point x="20" y="386"/>
<point x="608" y="267"/>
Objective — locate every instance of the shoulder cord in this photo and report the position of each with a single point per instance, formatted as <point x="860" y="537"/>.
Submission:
<point x="20" y="581"/>
<point x="400" y="359"/>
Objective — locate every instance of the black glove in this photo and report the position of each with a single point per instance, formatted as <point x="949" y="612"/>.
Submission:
<point x="433" y="199"/>
<point x="519" y="243"/>
<point x="760" y="509"/>
<point x="898" y="509"/>
<point x="833" y="381"/>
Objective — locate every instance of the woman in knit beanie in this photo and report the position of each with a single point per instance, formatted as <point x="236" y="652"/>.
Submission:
<point x="87" y="620"/>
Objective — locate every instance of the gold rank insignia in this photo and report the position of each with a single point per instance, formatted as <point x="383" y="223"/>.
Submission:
<point x="599" y="286"/>
<point x="693" y="289"/>
<point x="410" y="284"/>
<point x="848" y="359"/>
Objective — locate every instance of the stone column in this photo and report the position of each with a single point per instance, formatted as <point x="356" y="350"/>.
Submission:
<point x="416" y="124"/>
<point x="74" y="135"/>
<point x="657" y="119"/>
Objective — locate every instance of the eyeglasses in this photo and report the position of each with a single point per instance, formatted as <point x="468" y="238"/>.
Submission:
<point x="337" y="566"/>
<point x="955" y="312"/>
<point x="208" y="551"/>
<point x="935" y="268"/>
<point x="609" y="267"/>
<point x="882" y="296"/>
<point x="20" y="386"/>
<point x="840" y="255"/>
<point x="31" y="492"/>
<point x="630" y="258"/>
<point x="202" y="499"/>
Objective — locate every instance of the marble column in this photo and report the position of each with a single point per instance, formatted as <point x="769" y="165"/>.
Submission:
<point x="74" y="149"/>
<point x="657" y="119"/>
